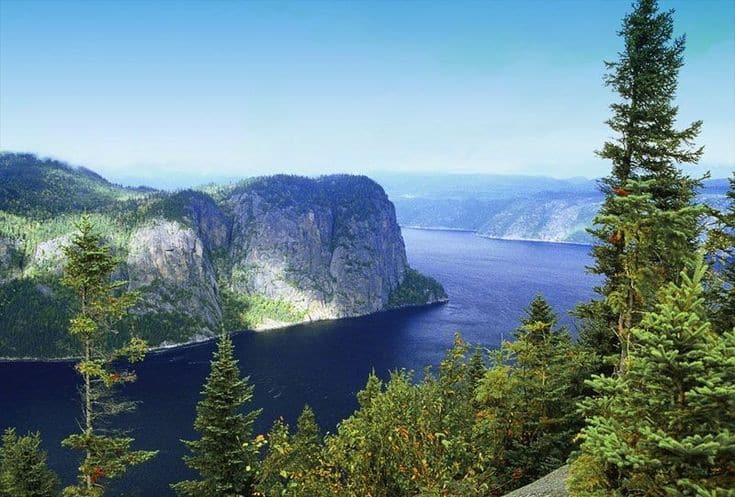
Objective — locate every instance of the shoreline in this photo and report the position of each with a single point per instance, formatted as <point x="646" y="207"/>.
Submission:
<point x="196" y="340"/>
<point x="435" y="228"/>
<point x="490" y="237"/>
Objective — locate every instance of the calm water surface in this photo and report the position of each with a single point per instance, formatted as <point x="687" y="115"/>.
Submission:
<point x="489" y="283"/>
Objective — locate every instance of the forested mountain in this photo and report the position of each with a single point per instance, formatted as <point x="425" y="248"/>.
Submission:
<point x="510" y="207"/>
<point x="260" y="253"/>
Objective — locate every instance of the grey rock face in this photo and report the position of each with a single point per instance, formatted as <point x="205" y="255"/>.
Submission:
<point x="169" y="263"/>
<point x="210" y="223"/>
<point x="298" y="240"/>
<point x="330" y="247"/>
<point x="49" y="254"/>
<point x="551" y="485"/>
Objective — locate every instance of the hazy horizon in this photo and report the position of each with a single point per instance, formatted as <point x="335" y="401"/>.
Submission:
<point x="161" y="180"/>
<point x="158" y="90"/>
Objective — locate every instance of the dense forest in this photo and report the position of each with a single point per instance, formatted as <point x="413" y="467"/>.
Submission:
<point x="641" y="404"/>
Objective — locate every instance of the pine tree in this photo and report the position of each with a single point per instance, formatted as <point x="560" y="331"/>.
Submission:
<point x="89" y="267"/>
<point x="645" y="156"/>
<point x="476" y="367"/>
<point x="287" y="469"/>
<point x="306" y="440"/>
<point x="527" y="417"/>
<point x="666" y="425"/>
<point x="225" y="455"/>
<point x="721" y="248"/>
<point x="538" y="322"/>
<point x="23" y="470"/>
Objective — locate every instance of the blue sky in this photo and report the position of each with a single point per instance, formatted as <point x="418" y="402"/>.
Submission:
<point x="145" y="89"/>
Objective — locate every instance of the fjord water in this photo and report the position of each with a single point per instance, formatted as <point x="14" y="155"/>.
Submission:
<point x="489" y="282"/>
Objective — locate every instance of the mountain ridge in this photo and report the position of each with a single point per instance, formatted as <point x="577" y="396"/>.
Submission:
<point x="265" y="252"/>
<point x="517" y="208"/>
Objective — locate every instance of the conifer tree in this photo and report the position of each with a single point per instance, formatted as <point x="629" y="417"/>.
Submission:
<point x="645" y="155"/>
<point x="306" y="440"/>
<point x="287" y="470"/>
<point x="225" y="455"/>
<point x="665" y="426"/>
<point x="539" y="320"/>
<point x="23" y="470"/>
<point x="721" y="248"/>
<point x="476" y="367"/>
<point x="89" y="267"/>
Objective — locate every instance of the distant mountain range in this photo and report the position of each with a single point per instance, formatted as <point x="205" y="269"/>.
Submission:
<point x="508" y="207"/>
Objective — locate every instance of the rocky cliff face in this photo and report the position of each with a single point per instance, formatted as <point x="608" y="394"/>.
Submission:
<point x="168" y="263"/>
<point x="329" y="253"/>
<point x="327" y="248"/>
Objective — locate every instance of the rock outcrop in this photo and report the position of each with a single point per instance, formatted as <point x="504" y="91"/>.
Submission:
<point x="329" y="246"/>
<point x="169" y="264"/>
<point x="551" y="485"/>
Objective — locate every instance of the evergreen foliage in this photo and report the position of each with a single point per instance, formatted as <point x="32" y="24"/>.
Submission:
<point x="665" y="426"/>
<point x="225" y="455"/>
<point x="465" y="430"/>
<point x="44" y="188"/>
<point x="721" y="248"/>
<point x="88" y="271"/>
<point x="23" y="470"/>
<point x="43" y="306"/>
<point x="647" y="227"/>
<point x="288" y="465"/>
<point x="527" y="400"/>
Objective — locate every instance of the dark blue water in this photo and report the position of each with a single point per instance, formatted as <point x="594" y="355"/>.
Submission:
<point x="489" y="283"/>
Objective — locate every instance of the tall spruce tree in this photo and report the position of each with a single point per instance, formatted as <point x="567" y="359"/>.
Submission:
<point x="307" y="440"/>
<point x="665" y="426"/>
<point x="225" y="455"/>
<point x="23" y="470"/>
<point x="721" y="249"/>
<point x="88" y="271"/>
<point x="645" y="156"/>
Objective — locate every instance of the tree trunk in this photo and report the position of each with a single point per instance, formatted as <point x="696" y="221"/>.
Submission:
<point x="88" y="403"/>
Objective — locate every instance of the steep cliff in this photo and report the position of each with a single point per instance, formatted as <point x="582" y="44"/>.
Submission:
<point x="168" y="264"/>
<point x="262" y="253"/>
<point x="331" y="246"/>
